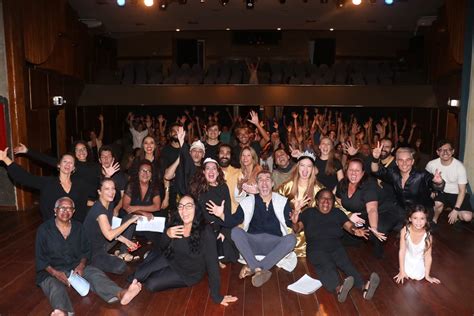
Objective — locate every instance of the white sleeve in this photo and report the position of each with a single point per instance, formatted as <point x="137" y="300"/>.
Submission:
<point x="430" y="167"/>
<point x="462" y="174"/>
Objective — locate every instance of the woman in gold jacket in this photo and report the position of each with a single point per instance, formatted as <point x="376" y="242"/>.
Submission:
<point x="302" y="188"/>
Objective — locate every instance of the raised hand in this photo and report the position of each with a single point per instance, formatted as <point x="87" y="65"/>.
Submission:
<point x="175" y="231"/>
<point x="294" y="115"/>
<point x="214" y="209"/>
<point x="110" y="171"/>
<point x="377" y="151"/>
<point x="20" y="149"/>
<point x="101" y="117"/>
<point x="300" y="203"/>
<point x="349" y="148"/>
<point x="295" y="152"/>
<point x="181" y="134"/>
<point x="361" y="232"/>
<point x="254" y="118"/>
<point x="4" y="155"/>
<point x="161" y="119"/>
<point x="294" y="216"/>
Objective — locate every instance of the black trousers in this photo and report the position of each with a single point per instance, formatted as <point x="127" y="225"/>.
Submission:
<point x="156" y="274"/>
<point x="326" y="264"/>
<point x="388" y="220"/>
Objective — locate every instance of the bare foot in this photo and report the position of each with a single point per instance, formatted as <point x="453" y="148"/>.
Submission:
<point x="222" y="265"/>
<point x="129" y="294"/>
<point x="58" y="312"/>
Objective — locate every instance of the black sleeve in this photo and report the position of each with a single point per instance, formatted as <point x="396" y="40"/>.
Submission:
<point x="341" y="218"/>
<point x="337" y="165"/>
<point x="38" y="156"/>
<point x="383" y="174"/>
<point x="85" y="244"/>
<point x="234" y="219"/>
<point x="369" y="192"/>
<point x="210" y="256"/>
<point x="21" y="176"/>
<point x="428" y="179"/>
<point x="41" y="254"/>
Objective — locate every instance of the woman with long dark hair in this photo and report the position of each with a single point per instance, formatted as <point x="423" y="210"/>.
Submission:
<point x="330" y="168"/>
<point x="359" y="193"/>
<point x="102" y="237"/>
<point x="189" y="251"/>
<point x="148" y="151"/>
<point x="212" y="194"/>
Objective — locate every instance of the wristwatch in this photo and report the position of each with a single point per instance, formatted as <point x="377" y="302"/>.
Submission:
<point x="456" y="208"/>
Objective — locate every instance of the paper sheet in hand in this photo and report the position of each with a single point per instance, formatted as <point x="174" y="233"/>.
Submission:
<point x="305" y="285"/>
<point x="116" y="222"/>
<point x="157" y="224"/>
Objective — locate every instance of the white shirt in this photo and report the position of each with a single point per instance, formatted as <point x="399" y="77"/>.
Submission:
<point x="453" y="174"/>
<point x="138" y="137"/>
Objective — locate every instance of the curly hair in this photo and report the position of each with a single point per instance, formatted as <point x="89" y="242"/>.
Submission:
<point x="199" y="185"/>
<point x="196" y="230"/>
<point x="422" y="209"/>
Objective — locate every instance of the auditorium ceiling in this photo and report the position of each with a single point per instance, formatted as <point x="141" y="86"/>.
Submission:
<point x="135" y="17"/>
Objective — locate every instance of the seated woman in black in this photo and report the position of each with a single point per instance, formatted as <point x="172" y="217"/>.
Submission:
<point x="103" y="237"/>
<point x="189" y="251"/>
<point x="324" y="249"/>
<point x="62" y="247"/>
<point x="53" y="187"/>
<point x="359" y="193"/>
<point x="142" y="197"/>
<point x="209" y="188"/>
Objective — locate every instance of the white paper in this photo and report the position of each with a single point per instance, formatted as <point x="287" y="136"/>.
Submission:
<point x="116" y="222"/>
<point x="79" y="283"/>
<point x="157" y="224"/>
<point x="305" y="285"/>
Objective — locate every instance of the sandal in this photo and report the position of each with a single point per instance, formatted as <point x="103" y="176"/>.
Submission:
<point x="261" y="277"/>
<point x="345" y="288"/>
<point x="373" y="283"/>
<point x="245" y="272"/>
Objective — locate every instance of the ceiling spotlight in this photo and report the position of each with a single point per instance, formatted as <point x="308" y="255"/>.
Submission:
<point x="227" y="29"/>
<point x="340" y="3"/>
<point x="163" y="5"/>
<point x="224" y="2"/>
<point x="120" y="3"/>
<point x="278" y="28"/>
<point x="148" y="3"/>
<point x="331" y="29"/>
<point x="389" y="2"/>
<point x="356" y="2"/>
<point x="249" y="4"/>
<point x="178" y="30"/>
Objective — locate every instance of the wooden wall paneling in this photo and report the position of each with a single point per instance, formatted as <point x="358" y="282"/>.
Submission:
<point x="15" y="56"/>
<point x="456" y="18"/>
<point x="61" y="131"/>
<point x="38" y="89"/>
<point x="452" y="127"/>
<point x="43" y="21"/>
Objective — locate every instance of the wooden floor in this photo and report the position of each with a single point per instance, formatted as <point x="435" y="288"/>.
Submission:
<point x="453" y="263"/>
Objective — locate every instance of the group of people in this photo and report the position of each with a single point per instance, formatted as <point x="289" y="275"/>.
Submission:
<point x="282" y="191"/>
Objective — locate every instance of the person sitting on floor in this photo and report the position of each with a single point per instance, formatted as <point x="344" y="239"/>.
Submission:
<point x="189" y="251"/>
<point x="322" y="227"/>
<point x="98" y="227"/>
<point x="265" y="218"/>
<point x="62" y="247"/>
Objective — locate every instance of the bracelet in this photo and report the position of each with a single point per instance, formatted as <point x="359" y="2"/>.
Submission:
<point x="456" y="208"/>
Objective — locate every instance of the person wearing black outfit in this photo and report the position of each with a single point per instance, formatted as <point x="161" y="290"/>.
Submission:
<point x="243" y="136"/>
<point x="212" y="194"/>
<point x="98" y="227"/>
<point x="62" y="248"/>
<point x="189" y="251"/>
<point x="53" y="187"/>
<point x="329" y="168"/>
<point x="148" y="151"/>
<point x="322" y="228"/>
<point x="360" y="193"/>
<point x="169" y="154"/>
<point x="85" y="169"/>
<point x="107" y="161"/>
<point x="411" y="187"/>
<point x="212" y="143"/>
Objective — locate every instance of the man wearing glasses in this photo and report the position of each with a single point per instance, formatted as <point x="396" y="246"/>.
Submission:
<point x="454" y="194"/>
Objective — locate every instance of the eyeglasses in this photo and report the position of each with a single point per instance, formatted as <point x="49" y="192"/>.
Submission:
<point x="146" y="171"/>
<point x="445" y="151"/>
<point x="187" y="206"/>
<point x="82" y="149"/>
<point x="66" y="209"/>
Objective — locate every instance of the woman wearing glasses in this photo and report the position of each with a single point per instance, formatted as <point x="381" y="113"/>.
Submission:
<point x="189" y="252"/>
<point x="52" y="188"/>
<point x="142" y="197"/>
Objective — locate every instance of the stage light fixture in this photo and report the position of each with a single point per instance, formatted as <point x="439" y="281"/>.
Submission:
<point x="340" y="3"/>
<point x="250" y="4"/>
<point x="120" y="3"/>
<point x="224" y="2"/>
<point x="356" y="2"/>
<point x="148" y="3"/>
<point x="163" y="5"/>
<point x="389" y="2"/>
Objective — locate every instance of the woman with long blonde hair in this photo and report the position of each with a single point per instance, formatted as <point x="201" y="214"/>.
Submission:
<point x="247" y="178"/>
